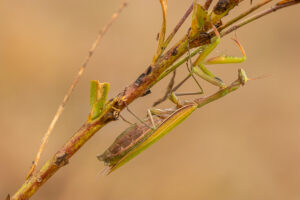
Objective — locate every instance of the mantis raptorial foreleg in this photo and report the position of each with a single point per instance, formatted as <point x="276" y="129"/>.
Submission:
<point x="201" y="23"/>
<point x="199" y="68"/>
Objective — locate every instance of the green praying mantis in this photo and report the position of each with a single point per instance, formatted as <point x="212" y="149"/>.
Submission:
<point x="139" y="137"/>
<point x="199" y="20"/>
<point x="198" y="67"/>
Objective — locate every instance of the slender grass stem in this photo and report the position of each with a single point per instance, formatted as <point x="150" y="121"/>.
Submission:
<point x="261" y="14"/>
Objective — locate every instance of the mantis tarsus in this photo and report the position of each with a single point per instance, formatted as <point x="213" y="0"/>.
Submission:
<point x="138" y="137"/>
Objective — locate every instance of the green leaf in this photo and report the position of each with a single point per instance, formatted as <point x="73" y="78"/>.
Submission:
<point x="199" y="19"/>
<point x="162" y="33"/>
<point x="99" y="92"/>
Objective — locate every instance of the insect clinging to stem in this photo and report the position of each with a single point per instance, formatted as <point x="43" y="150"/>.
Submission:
<point x="139" y="137"/>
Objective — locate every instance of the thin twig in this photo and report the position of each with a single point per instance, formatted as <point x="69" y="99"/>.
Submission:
<point x="261" y="14"/>
<point x="73" y="85"/>
<point x="181" y="21"/>
<point x="244" y="14"/>
<point x="207" y="4"/>
<point x="89" y="128"/>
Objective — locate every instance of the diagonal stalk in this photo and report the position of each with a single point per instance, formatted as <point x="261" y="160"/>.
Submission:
<point x="278" y="6"/>
<point x="89" y="128"/>
<point x="72" y="87"/>
<point x="244" y="14"/>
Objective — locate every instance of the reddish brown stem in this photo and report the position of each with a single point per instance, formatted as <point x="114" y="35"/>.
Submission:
<point x="207" y="4"/>
<point x="88" y="129"/>
<point x="181" y="21"/>
<point x="72" y="87"/>
<point x="59" y="160"/>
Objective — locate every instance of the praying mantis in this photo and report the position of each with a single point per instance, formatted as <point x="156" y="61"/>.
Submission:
<point x="198" y="66"/>
<point x="139" y="137"/>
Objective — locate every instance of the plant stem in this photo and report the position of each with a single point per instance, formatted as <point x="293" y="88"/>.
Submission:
<point x="175" y="66"/>
<point x="124" y="98"/>
<point x="181" y="21"/>
<point x="207" y="4"/>
<point x="72" y="87"/>
<point x="59" y="160"/>
<point x="261" y="14"/>
<point x="252" y="9"/>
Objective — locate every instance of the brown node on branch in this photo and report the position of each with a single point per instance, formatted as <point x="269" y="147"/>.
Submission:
<point x="223" y="5"/>
<point x="174" y="52"/>
<point x="202" y="39"/>
<point x="61" y="159"/>
<point x="147" y="92"/>
<point x="149" y="70"/>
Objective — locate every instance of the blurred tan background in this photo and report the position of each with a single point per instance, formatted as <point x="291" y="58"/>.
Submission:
<point x="245" y="146"/>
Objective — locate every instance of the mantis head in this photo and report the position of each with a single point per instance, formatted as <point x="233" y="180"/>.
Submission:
<point x="242" y="76"/>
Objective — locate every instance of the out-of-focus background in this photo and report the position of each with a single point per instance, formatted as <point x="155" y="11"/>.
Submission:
<point x="245" y="146"/>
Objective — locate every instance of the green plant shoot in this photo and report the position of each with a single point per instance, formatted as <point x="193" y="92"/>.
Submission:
<point x="99" y="92"/>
